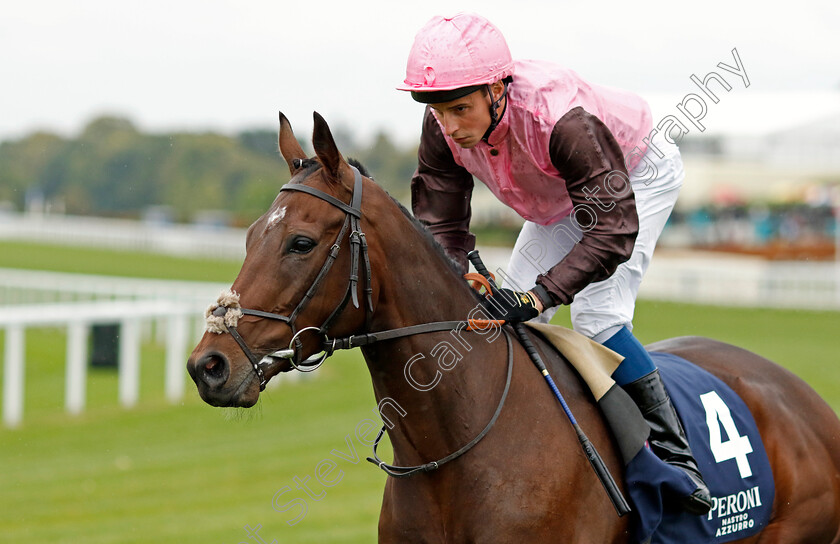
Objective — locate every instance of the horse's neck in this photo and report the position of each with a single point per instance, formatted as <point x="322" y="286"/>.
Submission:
<point x="417" y="283"/>
<point x="446" y="383"/>
<point x="436" y="391"/>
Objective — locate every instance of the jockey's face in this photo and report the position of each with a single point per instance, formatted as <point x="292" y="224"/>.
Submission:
<point x="466" y="119"/>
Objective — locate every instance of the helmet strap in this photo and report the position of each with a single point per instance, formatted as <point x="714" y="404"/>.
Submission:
<point x="494" y="115"/>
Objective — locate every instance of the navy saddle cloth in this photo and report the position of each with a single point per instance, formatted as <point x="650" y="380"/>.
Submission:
<point x="731" y="456"/>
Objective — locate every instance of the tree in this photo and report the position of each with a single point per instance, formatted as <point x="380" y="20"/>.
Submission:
<point x="113" y="169"/>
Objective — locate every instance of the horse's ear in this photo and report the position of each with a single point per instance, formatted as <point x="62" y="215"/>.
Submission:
<point x="325" y="148"/>
<point x="288" y="144"/>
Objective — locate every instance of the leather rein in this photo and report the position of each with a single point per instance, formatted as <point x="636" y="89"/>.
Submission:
<point x="358" y="258"/>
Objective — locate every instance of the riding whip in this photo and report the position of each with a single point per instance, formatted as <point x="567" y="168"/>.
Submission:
<point x="613" y="492"/>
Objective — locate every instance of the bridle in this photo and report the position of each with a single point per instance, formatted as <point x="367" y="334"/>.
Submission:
<point x="358" y="257"/>
<point x="229" y="311"/>
<point x="358" y="253"/>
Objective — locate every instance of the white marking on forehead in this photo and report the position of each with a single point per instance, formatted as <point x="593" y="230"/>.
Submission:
<point x="275" y="217"/>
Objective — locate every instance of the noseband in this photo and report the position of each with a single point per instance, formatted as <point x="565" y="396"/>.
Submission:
<point x="358" y="253"/>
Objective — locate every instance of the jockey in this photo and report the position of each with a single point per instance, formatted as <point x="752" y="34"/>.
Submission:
<point x="581" y="164"/>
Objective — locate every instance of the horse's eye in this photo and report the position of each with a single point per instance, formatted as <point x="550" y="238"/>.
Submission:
<point x="301" y="244"/>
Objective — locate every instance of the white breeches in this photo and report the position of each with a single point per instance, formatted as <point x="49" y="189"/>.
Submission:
<point x="601" y="308"/>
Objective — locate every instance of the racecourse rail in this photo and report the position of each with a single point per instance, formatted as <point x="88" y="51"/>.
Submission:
<point x="32" y="299"/>
<point x="77" y="318"/>
<point x="74" y="302"/>
<point x="683" y="277"/>
<point x="172" y="310"/>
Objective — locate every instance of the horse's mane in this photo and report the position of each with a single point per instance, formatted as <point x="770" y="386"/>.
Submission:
<point x="355" y="163"/>
<point x="306" y="165"/>
<point x="416" y="222"/>
<point x="429" y="238"/>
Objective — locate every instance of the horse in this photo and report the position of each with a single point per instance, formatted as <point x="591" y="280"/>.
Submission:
<point x="336" y="262"/>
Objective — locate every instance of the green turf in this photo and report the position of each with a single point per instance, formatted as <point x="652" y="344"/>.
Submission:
<point x="84" y="260"/>
<point x="806" y="342"/>
<point x="189" y="473"/>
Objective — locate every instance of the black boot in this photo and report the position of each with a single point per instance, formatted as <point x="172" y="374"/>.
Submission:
<point x="667" y="437"/>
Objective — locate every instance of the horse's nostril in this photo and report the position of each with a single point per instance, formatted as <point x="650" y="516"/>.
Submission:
<point x="213" y="370"/>
<point x="212" y="367"/>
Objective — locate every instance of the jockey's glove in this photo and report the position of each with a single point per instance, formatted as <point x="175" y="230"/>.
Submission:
<point x="511" y="306"/>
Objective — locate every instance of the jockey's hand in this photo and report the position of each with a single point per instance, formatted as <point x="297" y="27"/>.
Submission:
<point x="512" y="306"/>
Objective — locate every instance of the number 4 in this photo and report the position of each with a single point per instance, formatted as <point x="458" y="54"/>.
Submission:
<point x="737" y="447"/>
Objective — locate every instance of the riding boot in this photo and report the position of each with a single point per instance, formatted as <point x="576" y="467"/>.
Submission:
<point x="667" y="437"/>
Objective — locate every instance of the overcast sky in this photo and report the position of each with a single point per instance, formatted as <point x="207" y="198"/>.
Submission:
<point x="226" y="66"/>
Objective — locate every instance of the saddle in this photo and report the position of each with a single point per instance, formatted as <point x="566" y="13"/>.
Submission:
<point x="594" y="362"/>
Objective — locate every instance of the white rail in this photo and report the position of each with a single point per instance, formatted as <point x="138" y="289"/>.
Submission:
<point x="35" y="286"/>
<point x="76" y="302"/>
<point x="728" y="280"/>
<point x="78" y="318"/>
<point x="42" y="299"/>
<point x="123" y="234"/>
<point x="742" y="281"/>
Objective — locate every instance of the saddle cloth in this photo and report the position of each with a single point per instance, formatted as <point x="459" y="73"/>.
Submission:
<point x="730" y="454"/>
<point x="723" y="437"/>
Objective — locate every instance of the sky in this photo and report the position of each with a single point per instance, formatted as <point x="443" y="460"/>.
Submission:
<point x="224" y="66"/>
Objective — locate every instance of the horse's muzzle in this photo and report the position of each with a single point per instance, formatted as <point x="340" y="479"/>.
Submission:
<point x="216" y="385"/>
<point x="210" y="372"/>
<point x="222" y="382"/>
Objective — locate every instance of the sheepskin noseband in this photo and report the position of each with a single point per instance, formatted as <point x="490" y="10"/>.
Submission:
<point x="219" y="322"/>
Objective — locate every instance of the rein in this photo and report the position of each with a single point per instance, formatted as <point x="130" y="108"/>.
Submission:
<point x="224" y="314"/>
<point x="405" y="472"/>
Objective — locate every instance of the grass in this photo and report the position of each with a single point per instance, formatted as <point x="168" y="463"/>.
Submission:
<point x="62" y="258"/>
<point x="805" y="342"/>
<point x="189" y="473"/>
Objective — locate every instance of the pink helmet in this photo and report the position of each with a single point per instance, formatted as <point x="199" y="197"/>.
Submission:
<point x="461" y="52"/>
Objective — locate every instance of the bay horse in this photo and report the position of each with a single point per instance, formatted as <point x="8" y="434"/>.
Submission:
<point x="335" y="257"/>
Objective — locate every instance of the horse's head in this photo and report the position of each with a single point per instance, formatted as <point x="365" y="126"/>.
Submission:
<point x="306" y="272"/>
